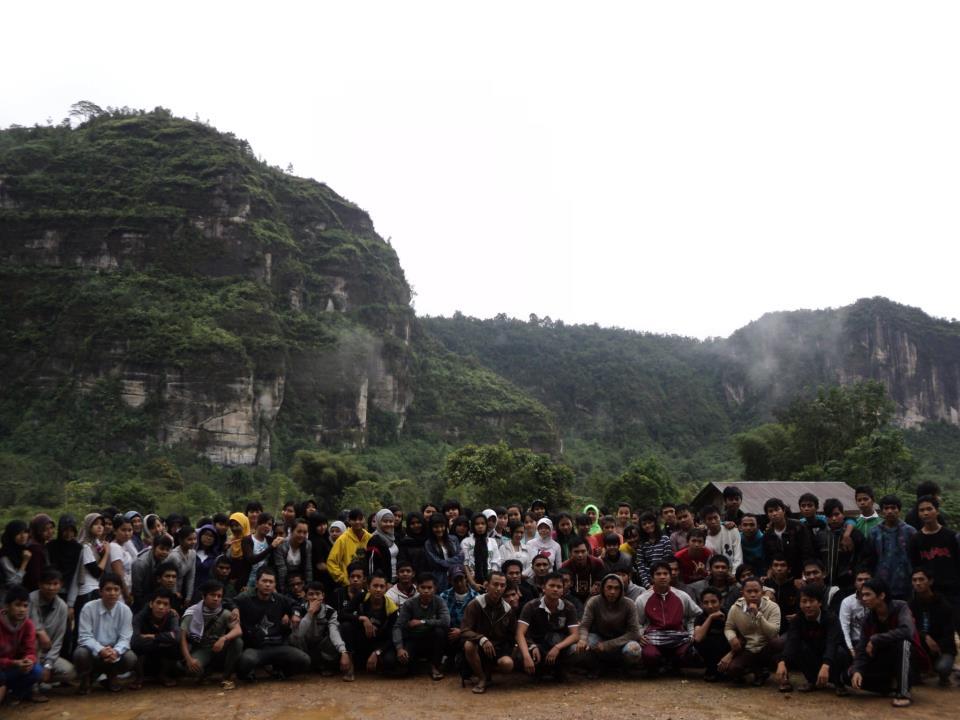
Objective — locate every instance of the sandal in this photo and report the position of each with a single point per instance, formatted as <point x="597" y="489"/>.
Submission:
<point x="901" y="702"/>
<point x="480" y="688"/>
<point x="435" y="674"/>
<point x="228" y="685"/>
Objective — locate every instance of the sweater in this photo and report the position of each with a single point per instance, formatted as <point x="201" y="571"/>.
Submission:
<point x="52" y="619"/>
<point x="16" y="641"/>
<point x="616" y="623"/>
<point x="434" y="615"/>
<point x="756" y="630"/>
<point x="495" y="621"/>
<point x="812" y="638"/>
<point x="314" y="629"/>
<point x="674" y="611"/>
<point x="346" y="550"/>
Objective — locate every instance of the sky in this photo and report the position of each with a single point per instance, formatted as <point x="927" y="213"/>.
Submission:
<point x="678" y="167"/>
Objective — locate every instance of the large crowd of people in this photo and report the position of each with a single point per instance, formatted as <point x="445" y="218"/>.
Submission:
<point x="837" y="600"/>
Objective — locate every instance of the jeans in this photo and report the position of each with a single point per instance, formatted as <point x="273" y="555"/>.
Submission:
<point x="225" y="660"/>
<point x="628" y="654"/>
<point x="20" y="684"/>
<point x="284" y="658"/>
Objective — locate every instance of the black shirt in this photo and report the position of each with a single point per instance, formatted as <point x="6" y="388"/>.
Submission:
<point x="542" y="622"/>
<point x="262" y="620"/>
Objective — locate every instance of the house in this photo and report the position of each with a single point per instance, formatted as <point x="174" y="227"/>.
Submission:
<point x="755" y="494"/>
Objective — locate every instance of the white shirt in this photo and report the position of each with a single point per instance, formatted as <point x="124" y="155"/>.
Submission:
<point x="118" y="552"/>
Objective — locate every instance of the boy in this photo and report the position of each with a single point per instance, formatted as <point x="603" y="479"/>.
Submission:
<point x="210" y="636"/>
<point x="105" y="629"/>
<point x="887" y="551"/>
<point x="49" y="614"/>
<point x="19" y="669"/>
<point x="405" y="589"/>
<point x="547" y="630"/>
<point x="708" y="638"/>
<point x="318" y="634"/>
<point x="693" y="558"/>
<point x="720" y="539"/>
<point x="868" y="518"/>
<point x="934" y="618"/>
<point x="421" y="628"/>
<point x="812" y="643"/>
<point x="156" y="639"/>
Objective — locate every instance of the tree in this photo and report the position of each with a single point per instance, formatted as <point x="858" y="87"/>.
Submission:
<point x="86" y="110"/>
<point x="325" y="476"/>
<point x="645" y="484"/>
<point x="765" y="452"/>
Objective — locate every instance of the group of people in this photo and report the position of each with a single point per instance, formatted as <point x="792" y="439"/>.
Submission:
<point x="868" y="602"/>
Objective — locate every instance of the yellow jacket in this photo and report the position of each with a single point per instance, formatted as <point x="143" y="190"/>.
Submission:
<point x="347" y="549"/>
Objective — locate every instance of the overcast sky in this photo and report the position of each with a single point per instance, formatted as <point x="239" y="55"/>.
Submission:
<point x="675" y="167"/>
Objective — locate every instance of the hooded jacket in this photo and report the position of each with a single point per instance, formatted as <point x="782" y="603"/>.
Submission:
<point x="616" y="623"/>
<point x="347" y="549"/>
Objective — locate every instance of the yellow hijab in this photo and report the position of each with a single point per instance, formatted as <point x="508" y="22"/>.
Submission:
<point x="235" y="549"/>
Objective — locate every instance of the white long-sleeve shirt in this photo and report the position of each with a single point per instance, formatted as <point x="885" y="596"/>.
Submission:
<point x="852" y="613"/>
<point x="727" y="543"/>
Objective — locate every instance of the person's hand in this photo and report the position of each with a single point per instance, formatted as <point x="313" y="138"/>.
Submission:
<point x="234" y="616"/>
<point x="729" y="524"/>
<point x="285" y="620"/>
<point x="218" y="645"/>
<point x="798" y="583"/>
<point x="870" y="648"/>
<point x="791" y="617"/>
<point x="933" y="645"/>
<point x="372" y="662"/>
<point x="599" y="647"/>
<point x="453" y="634"/>
<point x="277" y="541"/>
<point x="314" y="607"/>
<point x="735" y="645"/>
<point x="105" y="653"/>
<point x="369" y="629"/>
<point x="552" y="655"/>
<point x="488" y="649"/>
<point x="529" y="664"/>
<point x="416" y="622"/>
<point x="846" y="543"/>
<point x="322" y="567"/>
<point x="25" y="556"/>
<point x="70" y="615"/>
<point x="148" y="636"/>
<point x="295" y="621"/>
<point x="345" y="663"/>
<point x="43" y="640"/>
<point x="643" y="640"/>
<point x="403" y="656"/>
<point x="193" y="665"/>
<point x="782" y="675"/>
<point x="25" y="665"/>
<point x="753" y="608"/>
<point x="856" y="681"/>
<point x="717" y="615"/>
<point x="823" y="677"/>
<point x="724" y="662"/>
<point x="582" y="645"/>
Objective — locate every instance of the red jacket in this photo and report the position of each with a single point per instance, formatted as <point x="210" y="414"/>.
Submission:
<point x="16" y="643"/>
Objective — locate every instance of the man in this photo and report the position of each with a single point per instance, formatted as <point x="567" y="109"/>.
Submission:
<point x="586" y="570"/>
<point x="693" y="558"/>
<point x="666" y="618"/>
<point x="732" y="499"/>
<point x="928" y="488"/>
<point x="568" y="596"/>
<point x="851" y="616"/>
<point x="622" y="516"/>
<point x="318" y="634"/>
<point x="105" y="629"/>
<point x="668" y="517"/>
<point x="253" y="510"/>
<point x="786" y="537"/>
<point x="210" y="636"/>
<point x="935" y="548"/>
<point x="753" y="630"/>
<point x="934" y="618"/>
<point x="421" y="628"/>
<point x="344" y="597"/>
<point x="868" y="518"/>
<point x="811" y="645"/>
<point x="165" y="576"/>
<point x="405" y="589"/>
<point x="719" y="579"/>
<point x="513" y="569"/>
<point x="19" y="669"/>
<point x="782" y="589"/>
<point x="369" y="637"/>
<point x="708" y="638"/>
<point x="349" y="548"/>
<point x="539" y="569"/>
<point x="684" y="524"/>
<point x="889" y="648"/>
<point x="613" y="556"/>
<point x="265" y="622"/>
<point x="49" y="614"/>
<point x="814" y="574"/>
<point x="839" y="563"/>
<point x="156" y="640"/>
<point x="810" y="516"/>
<point x="751" y="543"/>
<point x="144" y="569"/>
<point x="547" y="631"/>
<point x="720" y="539"/>
<point x="610" y="628"/>
<point x="887" y="551"/>
<point x="488" y="632"/>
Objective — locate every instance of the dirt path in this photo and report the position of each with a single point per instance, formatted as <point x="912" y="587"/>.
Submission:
<point x="322" y="698"/>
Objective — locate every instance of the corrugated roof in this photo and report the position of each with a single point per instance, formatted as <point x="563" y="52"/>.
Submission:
<point x="755" y="494"/>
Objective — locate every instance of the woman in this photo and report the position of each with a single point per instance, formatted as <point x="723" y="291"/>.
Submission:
<point x="382" y="548"/>
<point x="442" y="551"/>
<point x="294" y="556"/>
<point x="460" y="527"/>
<point x="64" y="551"/>
<point x="593" y="512"/>
<point x="184" y="556"/>
<point x="258" y="547"/>
<point x="529" y="528"/>
<point x="411" y="545"/>
<point x="514" y="549"/>
<point x="481" y="555"/>
<point x="651" y="546"/>
<point x="136" y="522"/>
<point x="337" y="529"/>
<point x="238" y="526"/>
<point x="564" y="534"/>
<point x="320" y="549"/>
<point x="155" y="528"/>
<point x="544" y="544"/>
<point x="121" y="559"/>
<point x="14" y="555"/>
<point x="41" y="533"/>
<point x="428" y="511"/>
<point x="207" y="553"/>
<point x="94" y="556"/>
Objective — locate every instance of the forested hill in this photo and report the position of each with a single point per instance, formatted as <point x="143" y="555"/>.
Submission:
<point x="628" y="391"/>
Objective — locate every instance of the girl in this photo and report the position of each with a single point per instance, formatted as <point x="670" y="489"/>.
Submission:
<point x="94" y="556"/>
<point x="207" y="553"/>
<point x="442" y="551"/>
<point x="544" y="544"/>
<point x="14" y="555"/>
<point x="121" y="560"/>
<point x="514" y="549"/>
<point x="564" y="534"/>
<point x="382" y="549"/>
<point x="411" y="546"/>
<point x="481" y="555"/>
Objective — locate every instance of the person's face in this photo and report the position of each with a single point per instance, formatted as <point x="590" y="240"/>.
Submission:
<point x="891" y="514"/>
<point x="512" y="598"/>
<point x="685" y="519"/>
<point x="253" y="516"/>
<point x="356" y="580"/>
<point x="623" y="515"/>
<point x="611" y="590"/>
<point x="746" y="575"/>
<point x="189" y="542"/>
<point x="553" y="589"/>
<point x="712" y="522"/>
<point x="415" y="526"/>
<point x="480" y="525"/>
<point x="864" y="503"/>
<point x="529" y="524"/>
<point x="813" y="574"/>
<point x="517" y="535"/>
<point x="538" y="511"/>
<point x="289" y="513"/>
<point x="752" y="592"/>
<point x="159" y="607"/>
<point x="696" y="544"/>
<point x="48" y="532"/>
<point x="731" y="504"/>
<point x="567" y="583"/>
<point x="378" y="588"/>
<point x="648" y="526"/>
<point x="405" y="576"/>
<point x="18" y="610"/>
<point x="107" y="526"/>
<point x="541" y="566"/>
<point x="592" y="514"/>
<point x="220" y="527"/>
<point x="160" y="553"/>
<point x="921" y="583"/>
<point x="266" y="584"/>
<point x="810" y="607"/>
<point x="263" y="529"/>
<point x="110" y="594"/>
<point x="49" y="589"/>
<point x="137" y="523"/>
<point x="669" y="516"/>
<point x="495" y="587"/>
<point x="236" y="528"/>
<point x="544" y="531"/>
<point x="780" y="569"/>
<point x="315" y="596"/>
<point x="438" y="530"/>
<point x="859" y="580"/>
<point x="514" y="574"/>
<point x="661" y="579"/>
<point x="428" y="512"/>
<point x="461" y="530"/>
<point x="720" y="572"/>
<point x="583" y="529"/>
<point x="808" y="509"/>
<point x="96" y="529"/>
<point x="69" y="534"/>
<point x="22" y="537"/>
<point x="674" y="569"/>
<point x="748" y="525"/>
<point x="300" y="532"/>
<point x="835" y="519"/>
<point x="169" y="580"/>
<point x="775" y="516"/>
<point x="207" y="540"/>
<point x="609" y="526"/>
<point x="868" y="598"/>
<point x="452" y="513"/>
<point x="426" y="590"/>
<point x="460" y="584"/>
<point x="357" y="524"/>
<point x="503" y="520"/>
<point x="335" y="532"/>
<point x="579" y="553"/>
<point x="612" y="551"/>
<point x="213" y="599"/>
<point x="222" y="571"/>
<point x="565" y="525"/>
<point x="513" y="514"/>
<point x="710" y="603"/>
<point x="631" y="536"/>
<point x="123" y="533"/>
<point x="927" y="513"/>
<point x="296" y="587"/>
<point x="387" y="524"/>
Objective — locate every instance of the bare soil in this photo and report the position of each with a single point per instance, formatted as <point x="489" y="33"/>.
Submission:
<point x="317" y="698"/>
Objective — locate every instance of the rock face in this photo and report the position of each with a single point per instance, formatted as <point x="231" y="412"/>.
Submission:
<point x="218" y="291"/>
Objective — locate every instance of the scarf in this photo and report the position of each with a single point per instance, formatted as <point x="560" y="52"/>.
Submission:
<point x="387" y="538"/>
<point x="198" y="615"/>
<point x="595" y="528"/>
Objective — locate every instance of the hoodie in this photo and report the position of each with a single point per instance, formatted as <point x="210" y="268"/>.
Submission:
<point x="17" y="641"/>
<point x="615" y="622"/>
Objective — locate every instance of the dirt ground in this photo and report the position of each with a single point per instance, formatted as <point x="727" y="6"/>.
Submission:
<point x="317" y="698"/>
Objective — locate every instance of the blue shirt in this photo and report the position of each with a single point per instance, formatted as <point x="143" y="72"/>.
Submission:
<point x="99" y="628"/>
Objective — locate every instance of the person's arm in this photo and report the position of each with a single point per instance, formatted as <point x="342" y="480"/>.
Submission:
<point x="904" y="630"/>
<point x="126" y="630"/>
<point x="769" y="622"/>
<point x="184" y="642"/>
<point x="336" y="563"/>
<point x="13" y="575"/>
<point x="443" y="619"/>
<point x="85" y="636"/>
<point x="468" y="624"/>
<point x="404" y="615"/>
<point x="791" y="647"/>
<point x="333" y="626"/>
<point x="700" y="631"/>
<point x="170" y="636"/>
<point x="280" y="565"/>
<point x="832" y="642"/>
<point x="730" y="625"/>
<point x="521" y="640"/>
<point x="586" y="622"/>
<point x="737" y="559"/>
<point x="631" y="629"/>
<point x="385" y="636"/>
<point x="56" y="629"/>
<point x="846" y="613"/>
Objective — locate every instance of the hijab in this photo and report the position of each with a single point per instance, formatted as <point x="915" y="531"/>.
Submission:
<point x="491" y="515"/>
<point x="595" y="528"/>
<point x="412" y="538"/>
<point x="65" y="554"/>
<point x="38" y="526"/>
<point x="10" y="548"/>
<point x="387" y="538"/>
<point x="339" y="524"/>
<point x="236" y="549"/>
<point x="479" y="555"/>
<point x="86" y="536"/>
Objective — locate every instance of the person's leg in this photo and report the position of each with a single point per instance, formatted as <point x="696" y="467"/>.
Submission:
<point x="438" y="643"/>
<point x="286" y="659"/>
<point x="651" y="658"/>
<point x="943" y="666"/>
<point x="207" y="659"/>
<point x="471" y="653"/>
<point x="20" y="684"/>
<point x="126" y="663"/>
<point x="83" y="664"/>
<point x="62" y="672"/>
<point x="248" y="663"/>
<point x="632" y="653"/>
<point x="741" y="663"/>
